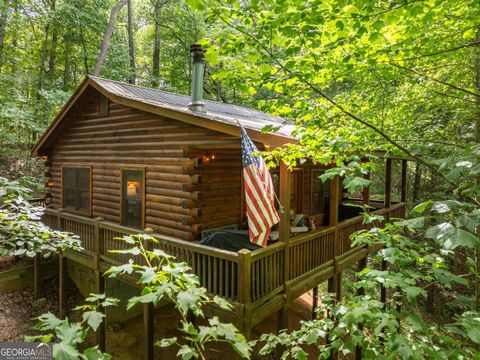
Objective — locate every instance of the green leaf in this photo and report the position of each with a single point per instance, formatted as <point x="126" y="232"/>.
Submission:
<point x="357" y="183"/>
<point x="94" y="353"/>
<point x="93" y="319"/>
<point x="187" y="353"/>
<point x="414" y="223"/>
<point x="147" y="276"/>
<point x="166" y="342"/>
<point x="224" y="304"/>
<point x="95" y="297"/>
<point x="64" y="350"/>
<point x="186" y="300"/>
<point x="465" y="238"/>
<point x="474" y="333"/>
<point x="420" y="208"/>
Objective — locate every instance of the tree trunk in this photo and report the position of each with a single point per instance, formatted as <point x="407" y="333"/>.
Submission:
<point x="477" y="140"/>
<point x="84" y="50"/>
<point x="66" y="65"/>
<point x="108" y="35"/>
<point x="53" y="44"/>
<point x="3" y="24"/>
<point x="156" y="45"/>
<point x="131" y="48"/>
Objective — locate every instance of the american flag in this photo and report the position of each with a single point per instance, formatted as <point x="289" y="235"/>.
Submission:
<point x="259" y="193"/>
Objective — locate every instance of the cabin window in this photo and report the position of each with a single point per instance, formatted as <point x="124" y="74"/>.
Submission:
<point x="76" y="188"/>
<point x="320" y="194"/>
<point x="103" y="105"/>
<point x="133" y="197"/>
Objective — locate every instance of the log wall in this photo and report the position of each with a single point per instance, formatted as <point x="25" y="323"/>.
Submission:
<point x="183" y="195"/>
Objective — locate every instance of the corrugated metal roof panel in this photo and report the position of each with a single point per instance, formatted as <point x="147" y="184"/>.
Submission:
<point x="217" y="111"/>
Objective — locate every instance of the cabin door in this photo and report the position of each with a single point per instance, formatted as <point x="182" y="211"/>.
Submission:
<point x="296" y="189"/>
<point x="320" y="198"/>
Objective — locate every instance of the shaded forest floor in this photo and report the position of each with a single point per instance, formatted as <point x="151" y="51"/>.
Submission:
<point x="19" y="308"/>
<point x="124" y="341"/>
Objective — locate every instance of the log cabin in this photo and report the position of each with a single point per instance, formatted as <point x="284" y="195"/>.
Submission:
<point x="123" y="159"/>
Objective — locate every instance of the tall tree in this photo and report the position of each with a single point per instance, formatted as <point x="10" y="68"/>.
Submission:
<point x="108" y="35"/>
<point x="131" y="45"/>
<point x="4" y="6"/>
<point x="157" y="41"/>
<point x="54" y="41"/>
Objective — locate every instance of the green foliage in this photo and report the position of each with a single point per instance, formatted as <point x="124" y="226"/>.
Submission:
<point x="11" y="189"/>
<point x="164" y="279"/>
<point x="21" y="229"/>
<point x="381" y="330"/>
<point x="69" y="337"/>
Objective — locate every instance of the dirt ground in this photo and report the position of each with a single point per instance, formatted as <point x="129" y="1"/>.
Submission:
<point x="124" y="341"/>
<point x="18" y="309"/>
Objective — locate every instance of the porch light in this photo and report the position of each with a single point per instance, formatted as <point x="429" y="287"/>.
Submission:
<point x="207" y="157"/>
<point x="132" y="188"/>
<point x="49" y="183"/>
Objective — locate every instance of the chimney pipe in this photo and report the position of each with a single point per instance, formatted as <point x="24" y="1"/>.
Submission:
<point x="198" y="69"/>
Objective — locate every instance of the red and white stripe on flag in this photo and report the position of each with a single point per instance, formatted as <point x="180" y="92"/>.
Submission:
<point x="260" y="206"/>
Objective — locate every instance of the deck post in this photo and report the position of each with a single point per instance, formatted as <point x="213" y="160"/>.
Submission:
<point x="98" y="243"/>
<point x="314" y="301"/>
<point x="333" y="211"/>
<point x="335" y="283"/>
<point x="100" y="289"/>
<point x="148" y="328"/>
<point x="366" y="189"/>
<point x="362" y="264"/>
<point x="244" y="288"/>
<point x="387" y="203"/>
<point x="388" y="185"/>
<point x="403" y="197"/>
<point x="59" y="219"/>
<point x="37" y="277"/>
<point x="148" y="311"/>
<point x="284" y="236"/>
<point x="62" y="286"/>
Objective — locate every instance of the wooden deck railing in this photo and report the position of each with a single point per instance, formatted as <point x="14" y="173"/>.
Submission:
<point x="244" y="277"/>
<point x="267" y="271"/>
<point x="310" y="251"/>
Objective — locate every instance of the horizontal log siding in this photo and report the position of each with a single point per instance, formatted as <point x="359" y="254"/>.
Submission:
<point x="221" y="187"/>
<point x="178" y="187"/>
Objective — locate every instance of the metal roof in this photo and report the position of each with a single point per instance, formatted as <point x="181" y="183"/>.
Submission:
<point x="218" y="111"/>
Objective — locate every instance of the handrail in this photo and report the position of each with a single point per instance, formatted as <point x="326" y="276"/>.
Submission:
<point x="67" y="215"/>
<point x="350" y="221"/>
<point x="298" y="239"/>
<point x="248" y="277"/>
<point x="263" y="252"/>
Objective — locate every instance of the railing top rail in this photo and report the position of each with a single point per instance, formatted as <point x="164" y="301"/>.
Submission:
<point x="70" y="216"/>
<point x="351" y="221"/>
<point x="115" y="227"/>
<point x="264" y="252"/>
<point x="311" y="235"/>
<point x="199" y="248"/>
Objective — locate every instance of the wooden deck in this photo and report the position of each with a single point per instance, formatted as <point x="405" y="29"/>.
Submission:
<point x="257" y="283"/>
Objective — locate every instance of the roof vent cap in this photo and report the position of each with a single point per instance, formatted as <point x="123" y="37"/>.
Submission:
<point x="198" y="69"/>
